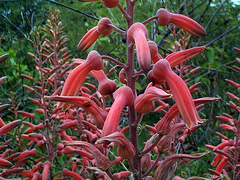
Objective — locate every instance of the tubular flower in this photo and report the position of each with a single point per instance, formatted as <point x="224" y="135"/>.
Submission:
<point x="123" y="97"/>
<point x="9" y="126"/>
<point x="2" y="79"/>
<point x="166" y="169"/>
<point x="164" y="125"/>
<point x="46" y="166"/>
<point x="3" y="57"/>
<point x="220" y="167"/>
<point x="165" y="142"/>
<point x="125" y="149"/>
<point x="92" y="35"/>
<point x="110" y="3"/>
<point x="86" y="103"/>
<point x="180" y="92"/>
<point x="106" y="86"/>
<point x="164" y="18"/>
<point x="178" y="57"/>
<point x="101" y="160"/>
<point x="107" y="3"/>
<point x="138" y="34"/>
<point x="72" y="174"/>
<point x="145" y="102"/>
<point x="88" y="39"/>
<point x="26" y="153"/>
<point x="146" y="158"/>
<point x="5" y="163"/>
<point x="178" y="178"/>
<point x="77" y="76"/>
<point x="122" y="174"/>
<point x="155" y="56"/>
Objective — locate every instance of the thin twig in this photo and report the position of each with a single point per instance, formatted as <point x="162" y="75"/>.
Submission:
<point x="68" y="7"/>
<point x="210" y="21"/>
<point x="220" y="36"/>
<point x="25" y="36"/>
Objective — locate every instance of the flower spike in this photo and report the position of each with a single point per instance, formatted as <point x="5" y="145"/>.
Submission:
<point x="164" y="18"/>
<point x="181" y="94"/>
<point x="138" y="34"/>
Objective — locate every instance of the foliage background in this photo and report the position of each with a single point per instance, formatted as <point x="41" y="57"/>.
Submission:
<point x="220" y="18"/>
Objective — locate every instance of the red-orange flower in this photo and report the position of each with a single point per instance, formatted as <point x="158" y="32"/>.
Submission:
<point x="77" y="76"/>
<point x="122" y="97"/>
<point x="164" y="18"/>
<point x="125" y="149"/>
<point x="138" y="34"/>
<point x="182" y="96"/>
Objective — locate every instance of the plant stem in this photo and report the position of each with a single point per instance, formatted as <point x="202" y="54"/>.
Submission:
<point x="131" y="84"/>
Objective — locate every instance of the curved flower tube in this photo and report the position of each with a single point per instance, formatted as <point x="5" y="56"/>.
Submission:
<point x="88" y="39"/>
<point x="164" y="18"/>
<point x="10" y="126"/>
<point x="72" y="174"/>
<point x="5" y="163"/>
<point x="106" y="86"/>
<point x="101" y="160"/>
<point x="166" y="169"/>
<point x="180" y="91"/>
<point x="145" y="102"/>
<point x="123" y="97"/>
<point x="165" y="142"/>
<point x="77" y="76"/>
<point x="46" y="167"/>
<point x="125" y="149"/>
<point x="146" y="158"/>
<point x="155" y="56"/>
<point x="104" y="27"/>
<point x="107" y="3"/>
<point x="175" y="58"/>
<point x="179" y="57"/>
<point x="4" y="57"/>
<point x="164" y="125"/>
<point x="138" y="34"/>
<point x="86" y="103"/>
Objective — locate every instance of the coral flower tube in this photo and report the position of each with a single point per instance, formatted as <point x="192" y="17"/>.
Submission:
<point x="180" y="91"/>
<point x="77" y="76"/>
<point x="138" y="34"/>
<point x="123" y="97"/>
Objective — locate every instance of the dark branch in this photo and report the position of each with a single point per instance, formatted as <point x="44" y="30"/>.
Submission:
<point x="68" y="7"/>
<point x="223" y="34"/>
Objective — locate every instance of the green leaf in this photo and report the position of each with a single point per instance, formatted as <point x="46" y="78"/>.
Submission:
<point x="138" y="86"/>
<point x="12" y="61"/>
<point x="210" y="55"/>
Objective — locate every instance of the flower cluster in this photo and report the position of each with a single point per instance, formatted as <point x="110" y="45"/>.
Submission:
<point x="83" y="128"/>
